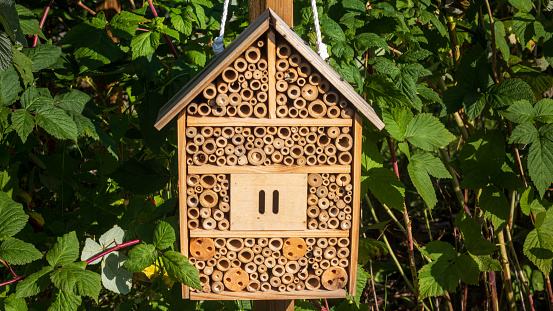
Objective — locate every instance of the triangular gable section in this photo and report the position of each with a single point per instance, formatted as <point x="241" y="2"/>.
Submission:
<point x="252" y="33"/>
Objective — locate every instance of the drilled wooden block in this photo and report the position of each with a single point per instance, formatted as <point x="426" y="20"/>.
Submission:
<point x="334" y="278"/>
<point x="294" y="248"/>
<point x="236" y="279"/>
<point x="202" y="248"/>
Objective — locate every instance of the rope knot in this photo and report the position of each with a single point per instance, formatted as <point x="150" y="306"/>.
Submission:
<point x="218" y="45"/>
<point x="322" y="50"/>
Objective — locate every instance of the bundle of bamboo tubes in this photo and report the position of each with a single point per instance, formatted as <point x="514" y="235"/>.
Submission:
<point x="302" y="92"/>
<point x="207" y="200"/>
<point x="328" y="199"/>
<point x="294" y="145"/>
<point x="264" y="264"/>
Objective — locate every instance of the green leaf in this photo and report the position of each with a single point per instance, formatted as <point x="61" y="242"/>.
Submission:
<point x="141" y="177"/>
<point x="475" y="242"/>
<point x="538" y="246"/>
<point x="178" y="268"/>
<point x="9" y="86"/>
<point x="331" y="28"/>
<point x="362" y="279"/>
<point x="380" y="89"/>
<point x="437" y="278"/>
<point x="91" y="249"/>
<point x="397" y="119"/>
<point x="414" y="55"/>
<point x="114" y="277"/>
<point x="182" y="23"/>
<point x="164" y="235"/>
<point x="140" y="257"/>
<point x="523" y="5"/>
<point x="34" y="283"/>
<point x="370" y="249"/>
<point x="76" y="280"/>
<point x="474" y="103"/>
<point x="526" y="199"/>
<point x="501" y="43"/>
<point x="524" y="133"/>
<point x="433" y="166"/>
<point x="544" y="110"/>
<point x="12" y="217"/>
<point x="6" y="51"/>
<point x="13" y="303"/>
<point x="23" y="122"/>
<point x="343" y="49"/>
<point x="65" y="302"/>
<point x="17" y="252"/>
<point x="483" y="153"/>
<point x="56" y="122"/>
<point x="34" y="98"/>
<point x="24" y="66"/>
<point x="73" y="100"/>
<point x="486" y="263"/>
<point x="540" y="164"/>
<point x="384" y="65"/>
<point x="125" y="24"/>
<point x="468" y="268"/>
<point x="495" y="205"/>
<point x="427" y="132"/>
<point x="507" y="92"/>
<point x="520" y="112"/>
<point x="145" y="44"/>
<point x="197" y="57"/>
<point x="43" y="56"/>
<point x="423" y="184"/>
<point x="523" y="27"/>
<point x="367" y="40"/>
<point x="386" y="187"/>
<point x="65" y="251"/>
<point x="28" y="22"/>
<point x="439" y="249"/>
<point x="10" y="20"/>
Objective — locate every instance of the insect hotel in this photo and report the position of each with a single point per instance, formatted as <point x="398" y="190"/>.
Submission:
<point x="269" y="170"/>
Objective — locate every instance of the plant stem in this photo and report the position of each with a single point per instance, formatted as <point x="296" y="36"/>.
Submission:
<point x="9" y="267"/>
<point x="19" y="278"/>
<point x="372" y="283"/>
<point x="506" y="272"/>
<point x="455" y="181"/>
<point x="407" y="222"/>
<point x="494" y="56"/>
<point x="79" y="3"/>
<point x="519" y="270"/>
<point x="175" y="54"/>
<point x="549" y="291"/>
<point x="42" y="20"/>
<point x="102" y="254"/>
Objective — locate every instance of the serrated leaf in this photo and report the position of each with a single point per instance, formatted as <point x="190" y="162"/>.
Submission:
<point x="524" y="133"/>
<point x="523" y="5"/>
<point x="23" y="123"/>
<point x="65" y="302"/>
<point x="538" y="246"/>
<point x="540" y="164"/>
<point x="343" y="49"/>
<point x="23" y="65"/>
<point x="434" y="166"/>
<point x="56" y="122"/>
<point x="483" y="153"/>
<point x="544" y="110"/>
<point x="145" y="43"/>
<point x="6" y="51"/>
<point x="397" y="119"/>
<point x="140" y="257"/>
<point x="501" y="43"/>
<point x="13" y="303"/>
<point x="179" y="269"/>
<point x="520" y="112"/>
<point x="64" y="251"/>
<point x="164" y="235"/>
<point x="10" y="20"/>
<point x="367" y="40"/>
<point x="141" y="177"/>
<point x="474" y="103"/>
<point x="9" y="86"/>
<point x="468" y="268"/>
<point x="197" y="57"/>
<point x="437" y="278"/>
<point x="125" y="24"/>
<point x="351" y="21"/>
<point x="182" y="23"/>
<point x="17" y="252"/>
<point x="12" y="216"/>
<point x="43" y="56"/>
<point x="34" y="283"/>
<point x="112" y="237"/>
<point x="523" y="27"/>
<point x="475" y="242"/>
<point x="495" y="205"/>
<point x="362" y="279"/>
<point x="487" y="263"/>
<point x="413" y="56"/>
<point x="114" y="277"/>
<point x="331" y="28"/>
<point x="405" y="83"/>
<point x="384" y="92"/>
<point x="526" y="199"/>
<point x="427" y="132"/>
<point x="384" y="65"/>
<point x="507" y="92"/>
<point x="370" y="249"/>
<point x="34" y="98"/>
<point x="76" y="280"/>
<point x="28" y="22"/>
<point x="439" y="249"/>
<point x="423" y="184"/>
<point x="91" y="249"/>
<point x="73" y="100"/>
<point x="429" y="94"/>
<point x="386" y="187"/>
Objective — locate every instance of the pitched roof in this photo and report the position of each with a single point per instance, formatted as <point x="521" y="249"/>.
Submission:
<point x="174" y="106"/>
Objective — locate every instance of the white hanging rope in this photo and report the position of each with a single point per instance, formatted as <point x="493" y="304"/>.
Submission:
<point x="321" y="47"/>
<point x="218" y="44"/>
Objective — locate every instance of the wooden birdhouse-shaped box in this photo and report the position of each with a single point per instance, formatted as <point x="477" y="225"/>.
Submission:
<point x="269" y="170"/>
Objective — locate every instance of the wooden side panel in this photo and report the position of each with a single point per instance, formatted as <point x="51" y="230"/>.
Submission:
<point x="271" y="55"/>
<point x="268" y="202"/>
<point x="356" y="204"/>
<point x="183" y="221"/>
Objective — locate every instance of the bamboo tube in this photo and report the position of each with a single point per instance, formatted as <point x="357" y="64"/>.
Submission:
<point x="333" y="223"/>
<point x="279" y="75"/>
<point x="283" y="50"/>
<point x="219" y="242"/>
<point x="344" y="142"/>
<point x="347" y="113"/>
<point x="242" y="160"/>
<point x="245" y="110"/>
<point x="343" y="262"/>
<point x="231" y="111"/>
<point x="249" y="242"/>
<point x="294" y="60"/>
<point x="275" y="281"/>
<point x="216" y="132"/>
<point x="253" y="286"/>
<point x="309" y="92"/>
<point x="323" y="140"/>
<point x="199" y="158"/>
<point x="345" y="224"/>
<point x="264" y="277"/>
<point x="224" y="207"/>
<point x="313" y="211"/>
<point x="325" y="264"/>
<point x="212" y="262"/>
<point x="281" y="65"/>
<point x="208" y="181"/>
<point x="199" y="189"/>
<point x="275" y="244"/>
<point x="309" y="149"/>
<point x="222" y="100"/>
<point x="258" y="259"/>
<point x="323" y="87"/>
<point x="342" y="252"/>
<point x="208" y="198"/>
<point x="246" y="94"/>
<point x="263" y="242"/>
<point x="330" y="150"/>
<point x="260" y="110"/>
<point x="270" y="262"/>
<point x="262" y="64"/>
<point x="231" y="160"/>
<point x="217" y="287"/>
<point x="209" y="223"/>
<point x="282" y="111"/>
<point x="281" y="86"/>
<point x="192" y="202"/>
<point x="300" y="82"/>
<point x="241" y="78"/>
<point x="252" y="54"/>
<point x="301" y="161"/>
<point x="222" y="87"/>
<point x="205" y="212"/>
<point x="312" y="224"/>
<point x="317" y="109"/>
<point x="210" y="91"/>
<point x="218" y="215"/>
<point x="193" y="224"/>
<point x="209" y="146"/>
<point x="276" y="157"/>
<point x="251" y="68"/>
<point x="288" y="160"/>
<point x="293" y="91"/>
<point x="191" y="132"/>
<point x="344" y="158"/>
<point x="234" y="87"/>
<point x="333" y="112"/>
<point x="256" y="156"/>
<point x="293" y="112"/>
<point x="333" y="132"/>
<point x="291" y="75"/>
<point x="333" y="211"/>
<point x="229" y="75"/>
<point x="204" y="109"/>
<point x="231" y="255"/>
<point x="349" y="187"/>
<point x="322" y="243"/>
<point x="343" y="180"/>
<point x="284" y="132"/>
<point x="235" y="244"/>
<point x="240" y="64"/>
<point x="264" y="85"/>
<point x="192" y="180"/>
<point x="287" y="278"/>
<point x="323" y="204"/>
<point x="245" y="255"/>
<point x="281" y="99"/>
<point x="315" y="79"/>
<point x="265" y="286"/>
<point x="257" y="75"/>
<point x="234" y="99"/>
<point x="238" y="140"/>
<point x="218" y="111"/>
<point x="347" y="209"/>
<point x="343" y="103"/>
<point x="341" y="215"/>
<point x="322" y="192"/>
<point x="208" y="270"/>
<point x="255" y="85"/>
<point x="268" y="149"/>
<point x="335" y="262"/>
<point x="262" y="96"/>
<point x="331" y="98"/>
<point x="281" y="260"/>
<point x="256" y="249"/>
<point x="278" y="143"/>
<point x="192" y="108"/>
<point x="315" y="180"/>
<point x="300" y="103"/>
<point x="331" y="160"/>
<point x="278" y="270"/>
<point x="227" y="132"/>
<point x="304" y="70"/>
<point x="312" y="282"/>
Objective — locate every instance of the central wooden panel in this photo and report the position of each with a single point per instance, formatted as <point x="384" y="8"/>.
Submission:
<point x="268" y="201"/>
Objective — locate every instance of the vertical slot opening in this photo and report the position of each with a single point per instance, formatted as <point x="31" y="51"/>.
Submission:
<point x="262" y="202"/>
<point x="275" y="202"/>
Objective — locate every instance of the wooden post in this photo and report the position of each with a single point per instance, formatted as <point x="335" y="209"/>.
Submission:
<point x="284" y="9"/>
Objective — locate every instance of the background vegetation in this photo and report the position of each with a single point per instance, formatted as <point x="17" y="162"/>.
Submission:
<point x="457" y="213"/>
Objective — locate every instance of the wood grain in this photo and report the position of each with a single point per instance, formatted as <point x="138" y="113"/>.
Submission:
<point x="269" y="234"/>
<point x="356" y="204"/>
<point x="270" y="295"/>
<point x="271" y="42"/>
<point x="222" y="121"/>
<point x="274" y="168"/>
<point x="181" y="128"/>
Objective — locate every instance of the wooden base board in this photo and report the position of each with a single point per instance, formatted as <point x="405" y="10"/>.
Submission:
<point x="273" y="168"/>
<point x="270" y="295"/>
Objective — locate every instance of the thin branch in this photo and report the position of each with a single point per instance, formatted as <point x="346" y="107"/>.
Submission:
<point x="42" y="20"/>
<point x="102" y="254"/>
<point x="10" y="267"/>
<point x="494" y="56"/>
<point x="82" y="5"/>
<point x="164" y="35"/>
<point x="19" y="278"/>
